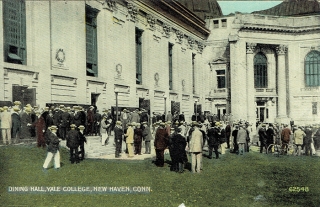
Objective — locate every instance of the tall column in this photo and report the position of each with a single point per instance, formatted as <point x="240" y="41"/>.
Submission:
<point x="281" y="83"/>
<point x="251" y="109"/>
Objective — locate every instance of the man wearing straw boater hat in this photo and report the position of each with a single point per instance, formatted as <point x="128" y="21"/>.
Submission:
<point x="118" y="136"/>
<point x="129" y="139"/>
<point x="16" y="123"/>
<point x="6" y="123"/>
<point x="73" y="143"/>
<point x="82" y="140"/>
<point x="53" y="149"/>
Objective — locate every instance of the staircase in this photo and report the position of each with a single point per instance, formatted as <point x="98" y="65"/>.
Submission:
<point x="94" y="149"/>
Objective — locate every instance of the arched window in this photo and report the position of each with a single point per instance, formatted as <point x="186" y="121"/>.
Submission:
<point x="312" y="69"/>
<point x="260" y="71"/>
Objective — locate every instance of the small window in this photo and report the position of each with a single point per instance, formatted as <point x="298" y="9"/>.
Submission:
<point x="221" y="78"/>
<point x="224" y="22"/>
<point x="314" y="108"/>
<point x="215" y="23"/>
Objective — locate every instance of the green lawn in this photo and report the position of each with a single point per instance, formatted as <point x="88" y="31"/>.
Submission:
<point x="230" y="181"/>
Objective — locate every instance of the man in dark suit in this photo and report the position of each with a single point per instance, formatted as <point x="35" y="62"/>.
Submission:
<point x="65" y="122"/>
<point x="160" y="144"/>
<point x="73" y="144"/>
<point x="16" y="124"/>
<point x="97" y="120"/>
<point x="118" y="135"/>
<point x="82" y="140"/>
<point x="181" y="117"/>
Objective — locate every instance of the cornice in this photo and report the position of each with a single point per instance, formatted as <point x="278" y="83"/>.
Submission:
<point x="276" y="29"/>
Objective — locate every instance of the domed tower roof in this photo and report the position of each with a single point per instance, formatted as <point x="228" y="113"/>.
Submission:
<point x="204" y="9"/>
<point x="293" y="7"/>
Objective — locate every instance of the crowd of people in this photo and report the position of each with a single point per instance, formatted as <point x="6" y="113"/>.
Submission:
<point x="168" y="132"/>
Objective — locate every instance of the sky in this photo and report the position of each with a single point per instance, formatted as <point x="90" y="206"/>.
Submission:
<point x="228" y="7"/>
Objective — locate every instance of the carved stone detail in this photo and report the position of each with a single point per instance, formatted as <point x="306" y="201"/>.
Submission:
<point x="200" y="47"/>
<point x="110" y="4"/>
<point x="191" y="42"/>
<point x="251" y="47"/>
<point x="132" y="12"/>
<point x="151" y="21"/>
<point x="281" y="49"/>
<point x="179" y="35"/>
<point x="166" y="29"/>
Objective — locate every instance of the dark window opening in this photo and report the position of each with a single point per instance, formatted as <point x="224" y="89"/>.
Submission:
<point x="14" y="31"/>
<point x="260" y="71"/>
<point x="312" y="69"/>
<point x="91" y="42"/>
<point x="138" y="56"/>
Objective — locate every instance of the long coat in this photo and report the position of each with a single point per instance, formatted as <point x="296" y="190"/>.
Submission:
<point x="118" y="132"/>
<point x="25" y="130"/>
<point x="135" y="117"/>
<point x="6" y="121"/>
<point x="178" y="147"/>
<point x="147" y="136"/>
<point x="40" y="125"/>
<point x="129" y="135"/>
<point x="161" y="139"/>
<point x="298" y="136"/>
<point x="73" y="139"/>
<point x="213" y="136"/>
<point x="285" y="135"/>
<point x="137" y="135"/>
<point x="196" y="141"/>
<point x="242" y="135"/>
<point x="16" y="124"/>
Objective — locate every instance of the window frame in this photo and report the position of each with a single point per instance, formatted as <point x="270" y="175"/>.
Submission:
<point x="170" y="57"/>
<point x="139" y="55"/>
<point x="91" y="25"/>
<point x="260" y="77"/>
<point x="218" y="76"/>
<point x="315" y="63"/>
<point x="14" y="44"/>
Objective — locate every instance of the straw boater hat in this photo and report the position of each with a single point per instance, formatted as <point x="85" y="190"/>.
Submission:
<point x="5" y="108"/>
<point x="168" y="122"/>
<point x="73" y="126"/>
<point x="118" y="123"/>
<point x="17" y="103"/>
<point x="91" y="107"/>
<point x="53" y="127"/>
<point x="81" y="127"/>
<point x="162" y="124"/>
<point x="68" y="108"/>
<point x="144" y="123"/>
<point x="61" y="106"/>
<point x="138" y="124"/>
<point x="176" y="123"/>
<point x="27" y="109"/>
<point x="133" y="123"/>
<point x="46" y="108"/>
<point x="16" y="108"/>
<point x="217" y="123"/>
<point x="124" y="110"/>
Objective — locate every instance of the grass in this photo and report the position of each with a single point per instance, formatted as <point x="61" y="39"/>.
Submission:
<point x="230" y="181"/>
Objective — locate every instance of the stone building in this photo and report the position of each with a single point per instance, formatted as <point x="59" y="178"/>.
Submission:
<point x="146" y="54"/>
<point x="164" y="56"/>
<point x="271" y="63"/>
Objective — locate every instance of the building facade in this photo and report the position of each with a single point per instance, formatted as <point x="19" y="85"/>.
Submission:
<point x="163" y="56"/>
<point x="271" y="63"/>
<point x="145" y="54"/>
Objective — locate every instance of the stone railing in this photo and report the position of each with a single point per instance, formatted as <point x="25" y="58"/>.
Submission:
<point x="263" y="90"/>
<point x="277" y="22"/>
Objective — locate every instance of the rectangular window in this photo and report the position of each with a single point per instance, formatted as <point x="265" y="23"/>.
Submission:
<point x="14" y="31"/>
<point x="170" y="65"/>
<point x="138" y="56"/>
<point x="215" y="23"/>
<point x="91" y="42"/>
<point x="193" y="73"/>
<point x="221" y="78"/>
<point x="224" y="23"/>
<point x="314" y="108"/>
